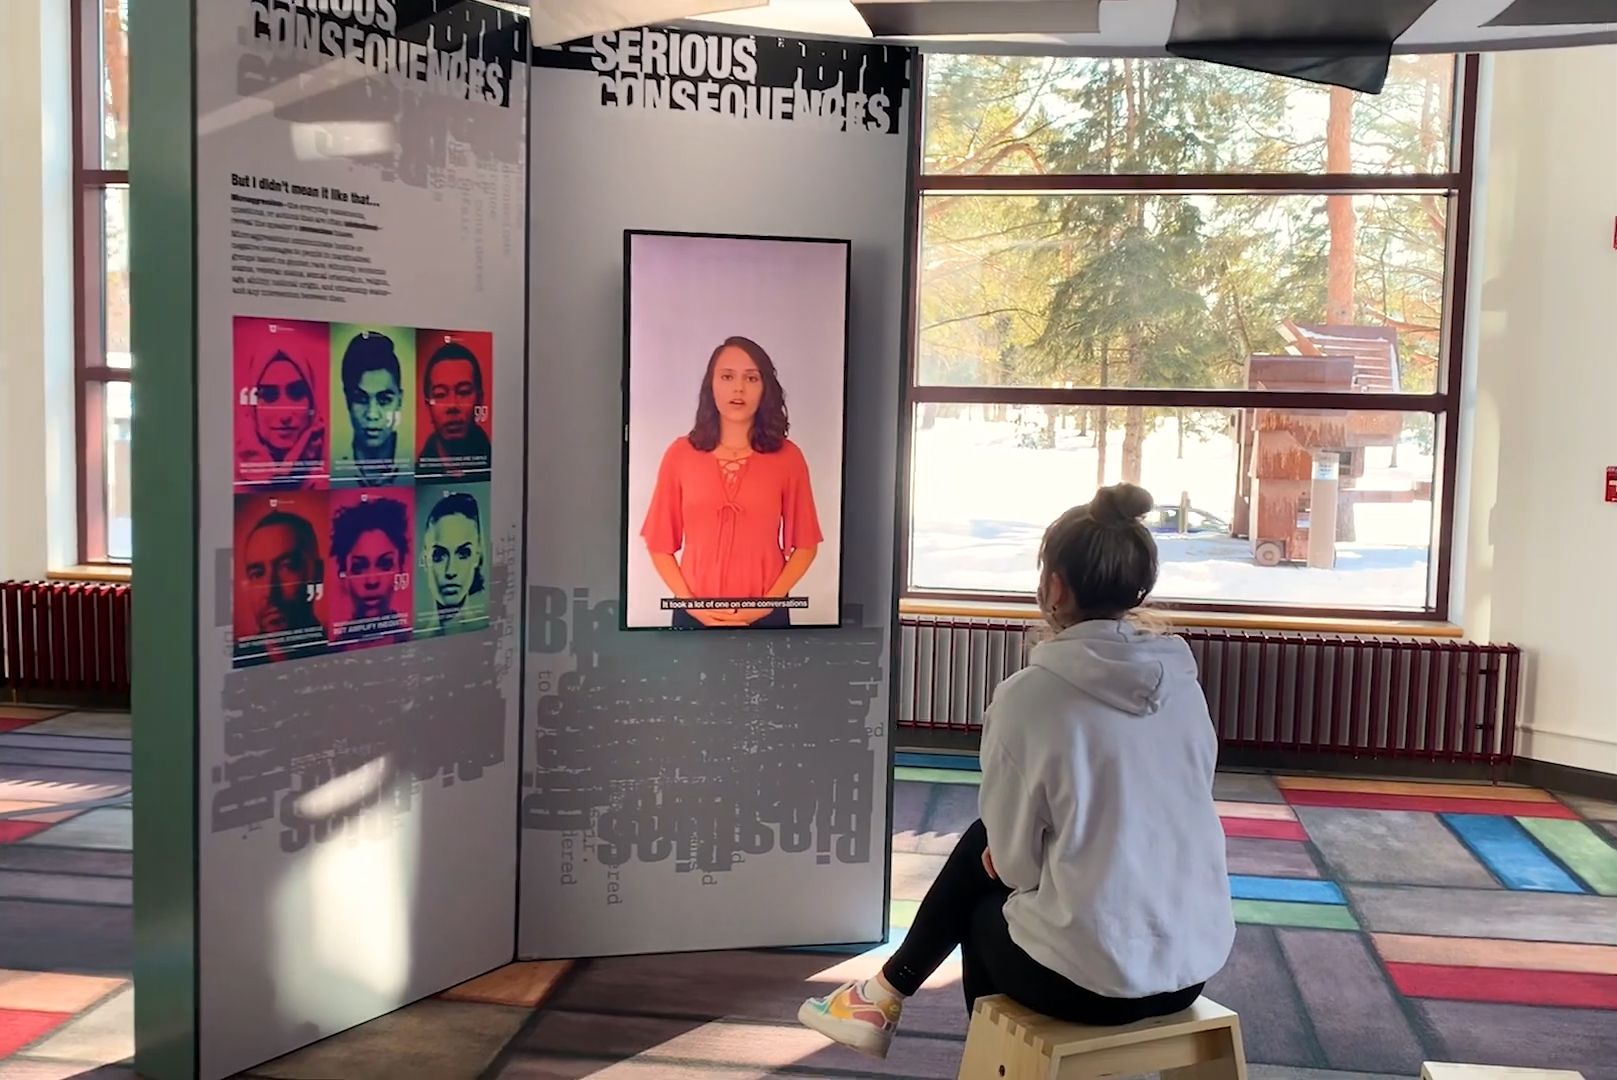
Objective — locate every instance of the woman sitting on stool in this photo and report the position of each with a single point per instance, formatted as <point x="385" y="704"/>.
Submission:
<point x="1094" y="889"/>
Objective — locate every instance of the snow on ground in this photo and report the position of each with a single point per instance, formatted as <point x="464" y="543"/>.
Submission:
<point x="981" y="500"/>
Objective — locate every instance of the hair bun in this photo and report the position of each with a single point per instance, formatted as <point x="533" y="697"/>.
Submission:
<point x="1121" y="504"/>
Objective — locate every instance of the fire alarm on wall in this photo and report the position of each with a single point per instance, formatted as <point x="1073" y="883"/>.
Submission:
<point x="1611" y="483"/>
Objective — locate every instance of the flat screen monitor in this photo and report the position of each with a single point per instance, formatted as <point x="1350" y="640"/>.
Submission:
<point x="735" y="367"/>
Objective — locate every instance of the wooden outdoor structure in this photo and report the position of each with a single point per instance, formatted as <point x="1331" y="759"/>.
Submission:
<point x="1008" y="1041"/>
<point x="1280" y="449"/>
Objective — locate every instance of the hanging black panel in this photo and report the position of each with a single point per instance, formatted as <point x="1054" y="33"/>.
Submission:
<point x="1339" y="44"/>
<point x="1557" y="13"/>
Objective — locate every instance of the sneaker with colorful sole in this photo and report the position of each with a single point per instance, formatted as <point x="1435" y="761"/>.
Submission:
<point x="848" y="1016"/>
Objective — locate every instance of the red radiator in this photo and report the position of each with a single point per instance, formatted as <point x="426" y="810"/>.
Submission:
<point x="64" y="639"/>
<point x="1368" y="696"/>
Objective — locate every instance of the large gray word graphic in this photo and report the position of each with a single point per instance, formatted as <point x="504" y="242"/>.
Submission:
<point x="702" y="748"/>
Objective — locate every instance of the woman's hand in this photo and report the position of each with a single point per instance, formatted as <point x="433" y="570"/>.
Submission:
<point x="988" y="865"/>
<point x="737" y="617"/>
<point x="311" y="446"/>
<point x="667" y="567"/>
<point x="797" y="565"/>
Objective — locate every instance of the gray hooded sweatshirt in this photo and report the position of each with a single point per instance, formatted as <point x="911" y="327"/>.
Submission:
<point x="1097" y="795"/>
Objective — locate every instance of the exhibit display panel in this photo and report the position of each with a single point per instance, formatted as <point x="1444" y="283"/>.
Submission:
<point x="727" y="786"/>
<point x="734" y="361"/>
<point x="360" y="213"/>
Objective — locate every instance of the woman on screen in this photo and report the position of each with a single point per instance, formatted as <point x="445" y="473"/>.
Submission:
<point x="732" y="516"/>
<point x="290" y="438"/>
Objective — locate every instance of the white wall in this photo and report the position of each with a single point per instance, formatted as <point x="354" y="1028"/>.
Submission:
<point x="1540" y="570"/>
<point x="37" y="531"/>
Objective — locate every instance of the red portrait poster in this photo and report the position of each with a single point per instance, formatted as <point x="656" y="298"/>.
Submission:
<point x="371" y="590"/>
<point x="283" y="402"/>
<point x="280" y="576"/>
<point x="456" y="418"/>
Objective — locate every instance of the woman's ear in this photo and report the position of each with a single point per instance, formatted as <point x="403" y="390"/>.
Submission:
<point x="1053" y="598"/>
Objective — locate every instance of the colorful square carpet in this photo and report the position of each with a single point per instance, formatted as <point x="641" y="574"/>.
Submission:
<point x="1380" y="924"/>
<point x="66" y="1000"/>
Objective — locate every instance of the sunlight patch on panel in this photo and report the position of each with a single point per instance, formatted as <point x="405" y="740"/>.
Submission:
<point x="341" y="916"/>
<point x="811" y="18"/>
<point x="343" y="139"/>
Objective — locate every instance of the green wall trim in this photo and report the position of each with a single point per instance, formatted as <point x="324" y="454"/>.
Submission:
<point x="164" y="635"/>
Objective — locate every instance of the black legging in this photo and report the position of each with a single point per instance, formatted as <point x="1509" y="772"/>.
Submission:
<point x="966" y="907"/>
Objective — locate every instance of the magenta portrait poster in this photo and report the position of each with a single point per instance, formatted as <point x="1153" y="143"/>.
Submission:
<point x="371" y="593"/>
<point x="282" y="404"/>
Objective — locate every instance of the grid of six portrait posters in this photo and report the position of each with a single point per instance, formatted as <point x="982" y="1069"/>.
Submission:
<point x="363" y="456"/>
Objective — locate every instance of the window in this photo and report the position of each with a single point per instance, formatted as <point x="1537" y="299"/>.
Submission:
<point x="101" y="286"/>
<point x="1239" y="291"/>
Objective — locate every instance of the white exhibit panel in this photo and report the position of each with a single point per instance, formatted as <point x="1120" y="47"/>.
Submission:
<point x="723" y="786"/>
<point x="361" y="203"/>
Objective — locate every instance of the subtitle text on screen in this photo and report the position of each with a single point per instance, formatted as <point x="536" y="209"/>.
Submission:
<point x="789" y="603"/>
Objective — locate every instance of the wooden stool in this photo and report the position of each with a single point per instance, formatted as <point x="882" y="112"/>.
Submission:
<point x="1443" y="1070"/>
<point x="1009" y="1042"/>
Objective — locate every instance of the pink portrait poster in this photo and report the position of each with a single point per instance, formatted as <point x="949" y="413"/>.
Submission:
<point x="372" y="587"/>
<point x="283" y="400"/>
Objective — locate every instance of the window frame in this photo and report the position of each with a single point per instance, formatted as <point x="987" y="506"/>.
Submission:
<point x="92" y="374"/>
<point x="1443" y="404"/>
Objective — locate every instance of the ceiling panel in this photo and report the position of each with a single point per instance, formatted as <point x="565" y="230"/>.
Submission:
<point x="1338" y="41"/>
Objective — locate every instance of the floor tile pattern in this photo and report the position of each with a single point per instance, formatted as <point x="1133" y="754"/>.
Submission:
<point x="66" y="872"/>
<point x="1380" y="923"/>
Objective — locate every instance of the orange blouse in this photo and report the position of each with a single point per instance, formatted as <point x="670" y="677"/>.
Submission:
<point x="732" y="536"/>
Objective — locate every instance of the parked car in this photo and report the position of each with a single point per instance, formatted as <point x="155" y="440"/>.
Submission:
<point x="1165" y="519"/>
